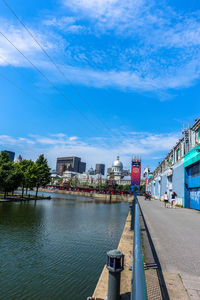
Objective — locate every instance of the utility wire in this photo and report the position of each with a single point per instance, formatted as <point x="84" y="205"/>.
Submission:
<point x="56" y="66"/>
<point x="26" y="78"/>
<point x="50" y="82"/>
<point x="25" y="92"/>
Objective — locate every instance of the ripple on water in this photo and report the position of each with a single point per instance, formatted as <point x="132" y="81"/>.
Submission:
<point x="56" y="249"/>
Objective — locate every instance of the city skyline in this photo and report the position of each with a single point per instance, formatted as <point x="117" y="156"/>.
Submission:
<point x="132" y="81"/>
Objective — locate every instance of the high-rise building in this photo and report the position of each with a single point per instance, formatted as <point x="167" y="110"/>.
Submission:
<point x="109" y="171"/>
<point x="100" y="169"/>
<point x="11" y="154"/>
<point x="71" y="163"/>
<point x="82" y="167"/>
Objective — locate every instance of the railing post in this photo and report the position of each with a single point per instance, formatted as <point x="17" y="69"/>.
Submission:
<point x="138" y="290"/>
<point x="132" y="211"/>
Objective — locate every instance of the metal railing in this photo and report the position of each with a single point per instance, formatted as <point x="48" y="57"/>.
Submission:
<point x="138" y="289"/>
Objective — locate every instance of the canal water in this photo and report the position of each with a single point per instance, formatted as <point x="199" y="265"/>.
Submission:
<point x="56" y="249"/>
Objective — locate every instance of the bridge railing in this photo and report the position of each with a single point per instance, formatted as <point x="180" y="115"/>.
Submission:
<point x="138" y="289"/>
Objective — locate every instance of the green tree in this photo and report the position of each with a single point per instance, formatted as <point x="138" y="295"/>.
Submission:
<point x="142" y="188"/>
<point x="16" y="178"/>
<point x="31" y="175"/>
<point x="104" y="186"/>
<point x="135" y="189"/>
<point x="10" y="175"/>
<point x="43" y="172"/>
<point x="120" y="187"/>
<point x="60" y="180"/>
<point x="126" y="187"/>
<point x="23" y="167"/>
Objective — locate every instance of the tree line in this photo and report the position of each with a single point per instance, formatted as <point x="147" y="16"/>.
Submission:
<point x="26" y="174"/>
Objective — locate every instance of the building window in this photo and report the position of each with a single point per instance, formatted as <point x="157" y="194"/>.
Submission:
<point x="178" y="154"/>
<point x="195" y="170"/>
<point x="198" y="135"/>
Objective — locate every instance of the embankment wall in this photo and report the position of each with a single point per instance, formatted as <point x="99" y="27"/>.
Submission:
<point x="95" y="196"/>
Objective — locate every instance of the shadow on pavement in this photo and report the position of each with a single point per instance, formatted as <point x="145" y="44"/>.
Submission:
<point x="151" y="258"/>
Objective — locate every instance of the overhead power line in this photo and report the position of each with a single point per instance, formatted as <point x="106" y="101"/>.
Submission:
<point x="56" y="66"/>
<point x="25" y="92"/>
<point x="27" y="79"/>
<point x="50" y="82"/>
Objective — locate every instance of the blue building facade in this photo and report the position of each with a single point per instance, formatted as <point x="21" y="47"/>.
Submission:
<point x="169" y="181"/>
<point x="179" y="172"/>
<point x="177" y="180"/>
<point x="192" y="179"/>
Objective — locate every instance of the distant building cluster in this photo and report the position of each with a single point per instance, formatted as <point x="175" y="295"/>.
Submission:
<point x="74" y="164"/>
<point x="71" y="163"/>
<point x="100" y="169"/>
<point x="179" y="171"/>
<point x="71" y="169"/>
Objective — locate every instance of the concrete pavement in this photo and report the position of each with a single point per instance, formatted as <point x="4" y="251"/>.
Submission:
<point x="176" y="237"/>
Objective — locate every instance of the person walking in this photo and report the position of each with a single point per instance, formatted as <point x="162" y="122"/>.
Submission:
<point x="166" y="199"/>
<point x="173" y="199"/>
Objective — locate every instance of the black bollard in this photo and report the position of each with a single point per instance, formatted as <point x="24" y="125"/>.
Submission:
<point x="115" y="264"/>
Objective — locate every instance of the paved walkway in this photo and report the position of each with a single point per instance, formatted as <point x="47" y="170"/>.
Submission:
<point x="176" y="237"/>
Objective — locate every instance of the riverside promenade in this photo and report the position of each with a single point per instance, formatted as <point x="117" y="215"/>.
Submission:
<point x="126" y="246"/>
<point x="175" y="233"/>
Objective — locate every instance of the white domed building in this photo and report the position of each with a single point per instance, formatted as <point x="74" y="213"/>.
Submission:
<point x="117" y="173"/>
<point x="117" y="167"/>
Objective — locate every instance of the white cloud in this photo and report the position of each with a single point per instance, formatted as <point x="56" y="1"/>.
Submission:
<point x="177" y="77"/>
<point x="59" y="135"/>
<point x="7" y="140"/>
<point x="73" y="138"/>
<point x="28" y="141"/>
<point x="59" y="22"/>
<point x="24" y="42"/>
<point x="163" y="52"/>
<point x="66" y="24"/>
<point x="183" y="34"/>
<point x="93" y="150"/>
<point x="108" y="12"/>
<point x="12" y="141"/>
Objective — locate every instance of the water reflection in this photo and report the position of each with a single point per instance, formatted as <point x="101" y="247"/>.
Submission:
<point x="20" y="214"/>
<point x="56" y="249"/>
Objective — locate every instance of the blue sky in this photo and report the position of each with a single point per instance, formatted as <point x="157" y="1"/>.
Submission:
<point x="129" y="68"/>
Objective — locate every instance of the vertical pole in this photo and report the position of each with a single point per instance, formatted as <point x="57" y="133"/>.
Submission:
<point x="115" y="265"/>
<point x="133" y="212"/>
<point x="114" y="285"/>
<point x="138" y="291"/>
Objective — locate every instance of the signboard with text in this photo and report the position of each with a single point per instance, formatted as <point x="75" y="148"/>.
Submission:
<point x="135" y="173"/>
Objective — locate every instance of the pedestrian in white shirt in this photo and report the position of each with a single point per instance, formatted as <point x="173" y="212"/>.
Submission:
<point x="166" y="199"/>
